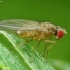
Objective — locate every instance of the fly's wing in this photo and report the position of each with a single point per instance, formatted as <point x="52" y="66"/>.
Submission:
<point x="19" y="24"/>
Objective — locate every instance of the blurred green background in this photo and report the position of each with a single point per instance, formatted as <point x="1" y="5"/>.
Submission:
<point x="55" y="11"/>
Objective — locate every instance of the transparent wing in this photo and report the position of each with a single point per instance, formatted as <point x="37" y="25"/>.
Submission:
<point x="19" y="24"/>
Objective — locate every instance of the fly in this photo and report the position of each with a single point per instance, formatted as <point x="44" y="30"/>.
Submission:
<point x="34" y="30"/>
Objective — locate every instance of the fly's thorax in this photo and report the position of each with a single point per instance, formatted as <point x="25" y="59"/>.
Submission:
<point x="48" y="27"/>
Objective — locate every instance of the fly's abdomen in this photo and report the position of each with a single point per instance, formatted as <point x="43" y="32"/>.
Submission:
<point x="38" y="35"/>
<point x="25" y="33"/>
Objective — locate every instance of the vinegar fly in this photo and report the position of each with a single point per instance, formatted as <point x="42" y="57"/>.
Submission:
<point x="34" y="30"/>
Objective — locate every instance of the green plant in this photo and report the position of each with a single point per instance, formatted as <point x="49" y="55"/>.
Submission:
<point x="18" y="58"/>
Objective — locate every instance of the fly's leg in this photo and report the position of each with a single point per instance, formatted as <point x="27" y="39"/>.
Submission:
<point x="38" y="45"/>
<point x="35" y="49"/>
<point x="48" y="41"/>
<point x="45" y="50"/>
<point x="27" y="41"/>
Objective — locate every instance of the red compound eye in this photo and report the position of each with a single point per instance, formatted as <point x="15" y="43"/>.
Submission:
<point x="60" y="34"/>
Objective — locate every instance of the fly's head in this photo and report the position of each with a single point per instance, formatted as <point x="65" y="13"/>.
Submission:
<point x="60" y="32"/>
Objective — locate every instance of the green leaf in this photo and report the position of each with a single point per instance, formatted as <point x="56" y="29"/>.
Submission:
<point x="21" y="57"/>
